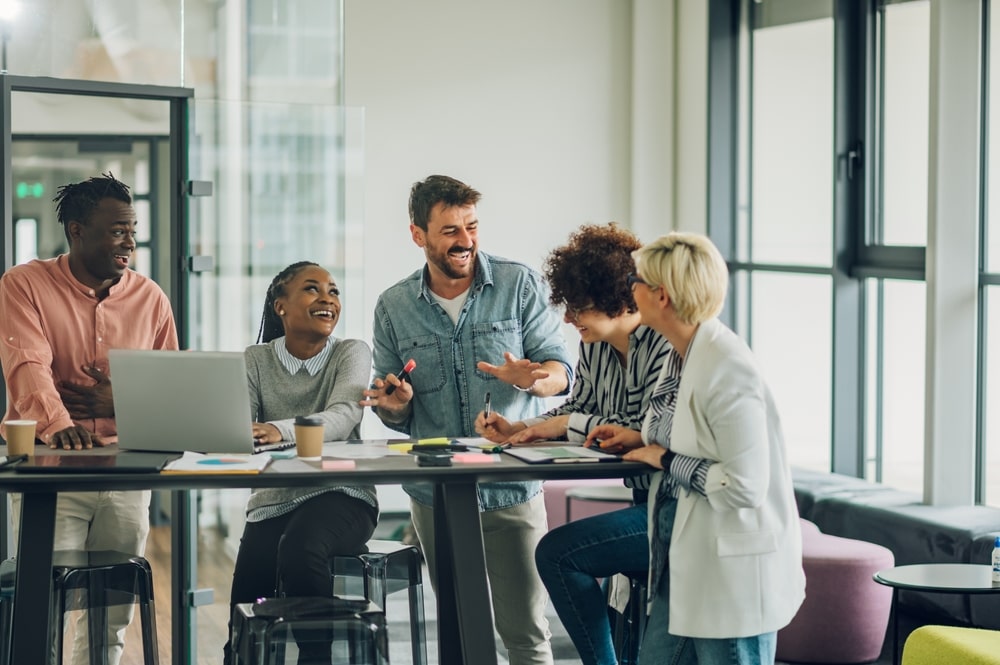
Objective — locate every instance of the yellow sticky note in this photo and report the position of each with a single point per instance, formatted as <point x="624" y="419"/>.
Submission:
<point x="401" y="447"/>
<point x="440" y="439"/>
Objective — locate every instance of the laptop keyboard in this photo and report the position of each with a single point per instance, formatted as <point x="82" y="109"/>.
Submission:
<point x="266" y="447"/>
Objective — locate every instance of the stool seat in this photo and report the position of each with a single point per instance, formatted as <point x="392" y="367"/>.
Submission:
<point x="389" y="566"/>
<point x="931" y="645"/>
<point x="354" y="628"/>
<point x="844" y="616"/>
<point x="85" y="580"/>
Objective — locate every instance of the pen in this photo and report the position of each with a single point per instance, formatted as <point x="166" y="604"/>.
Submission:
<point x="486" y="406"/>
<point x="11" y="460"/>
<point x="407" y="368"/>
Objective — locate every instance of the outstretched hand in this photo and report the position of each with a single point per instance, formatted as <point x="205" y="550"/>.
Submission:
<point x="86" y="402"/>
<point x="522" y="372"/>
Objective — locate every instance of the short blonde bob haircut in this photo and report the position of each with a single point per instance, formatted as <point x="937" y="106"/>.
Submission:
<point x="691" y="270"/>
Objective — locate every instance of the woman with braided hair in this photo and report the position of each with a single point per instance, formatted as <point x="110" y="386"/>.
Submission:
<point x="298" y="368"/>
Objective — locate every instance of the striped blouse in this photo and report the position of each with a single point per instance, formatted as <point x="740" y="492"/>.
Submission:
<point x="606" y="392"/>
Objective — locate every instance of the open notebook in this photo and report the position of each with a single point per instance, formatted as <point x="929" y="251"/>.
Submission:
<point x="560" y="454"/>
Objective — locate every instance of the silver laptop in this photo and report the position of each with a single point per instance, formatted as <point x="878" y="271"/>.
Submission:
<point x="172" y="401"/>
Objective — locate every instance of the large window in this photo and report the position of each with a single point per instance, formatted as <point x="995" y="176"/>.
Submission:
<point x="784" y="251"/>
<point x="839" y="189"/>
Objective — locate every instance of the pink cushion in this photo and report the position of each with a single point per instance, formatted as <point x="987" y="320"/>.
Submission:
<point x="844" y="616"/>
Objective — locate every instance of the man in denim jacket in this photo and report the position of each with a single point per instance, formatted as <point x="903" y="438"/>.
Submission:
<point x="456" y="317"/>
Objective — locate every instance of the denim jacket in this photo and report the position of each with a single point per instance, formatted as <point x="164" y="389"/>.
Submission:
<point x="507" y="310"/>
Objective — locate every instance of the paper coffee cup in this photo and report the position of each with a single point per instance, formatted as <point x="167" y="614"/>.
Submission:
<point x="308" y="438"/>
<point x="20" y="437"/>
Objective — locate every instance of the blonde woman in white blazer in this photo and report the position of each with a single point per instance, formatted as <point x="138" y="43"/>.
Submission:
<point x="735" y="552"/>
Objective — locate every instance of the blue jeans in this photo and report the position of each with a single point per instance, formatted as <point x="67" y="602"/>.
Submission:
<point x="571" y="557"/>
<point x="659" y="647"/>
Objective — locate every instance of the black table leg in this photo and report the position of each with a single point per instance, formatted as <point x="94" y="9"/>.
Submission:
<point x="895" y="625"/>
<point x="465" y="617"/>
<point x="33" y="587"/>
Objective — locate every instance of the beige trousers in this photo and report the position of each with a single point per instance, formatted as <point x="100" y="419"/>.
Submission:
<point x="519" y="598"/>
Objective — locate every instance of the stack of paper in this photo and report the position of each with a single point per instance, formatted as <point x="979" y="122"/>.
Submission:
<point x="218" y="463"/>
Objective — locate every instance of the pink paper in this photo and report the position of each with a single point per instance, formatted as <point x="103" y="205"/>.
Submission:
<point x="474" y="458"/>
<point x="338" y="464"/>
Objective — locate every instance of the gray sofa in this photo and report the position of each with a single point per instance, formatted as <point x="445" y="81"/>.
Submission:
<point x="916" y="533"/>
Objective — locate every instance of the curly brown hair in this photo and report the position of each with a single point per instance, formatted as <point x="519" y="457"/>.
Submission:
<point x="592" y="270"/>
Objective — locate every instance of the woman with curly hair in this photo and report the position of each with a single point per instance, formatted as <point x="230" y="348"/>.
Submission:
<point x="619" y="363"/>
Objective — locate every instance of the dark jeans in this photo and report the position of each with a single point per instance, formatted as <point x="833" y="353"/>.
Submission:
<point x="297" y="547"/>
<point x="571" y="557"/>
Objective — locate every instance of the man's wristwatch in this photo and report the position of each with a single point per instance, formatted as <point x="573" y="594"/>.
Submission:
<point x="668" y="457"/>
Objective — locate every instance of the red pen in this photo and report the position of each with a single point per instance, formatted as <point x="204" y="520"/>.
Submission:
<point x="407" y="368"/>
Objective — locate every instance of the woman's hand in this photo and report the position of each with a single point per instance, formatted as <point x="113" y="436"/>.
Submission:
<point x="547" y="430"/>
<point x="613" y="438"/>
<point x="266" y="433"/>
<point x="651" y="455"/>
<point x="495" y="427"/>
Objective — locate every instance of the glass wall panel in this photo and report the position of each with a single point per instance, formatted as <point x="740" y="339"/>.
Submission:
<point x="897" y="324"/>
<point x="992" y="388"/>
<point x="282" y="176"/>
<point x="905" y="86"/>
<point x="100" y="40"/>
<point x="791" y="137"/>
<point x="791" y="328"/>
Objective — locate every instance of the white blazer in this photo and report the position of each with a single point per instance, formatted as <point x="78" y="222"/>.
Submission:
<point x="735" y="559"/>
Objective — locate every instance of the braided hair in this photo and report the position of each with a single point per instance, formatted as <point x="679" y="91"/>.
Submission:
<point x="271" y="326"/>
<point x="77" y="201"/>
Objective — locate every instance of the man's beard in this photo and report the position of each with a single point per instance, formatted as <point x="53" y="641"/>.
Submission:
<point x="442" y="263"/>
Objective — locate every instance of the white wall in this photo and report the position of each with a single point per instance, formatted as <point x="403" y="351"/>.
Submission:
<point x="527" y="101"/>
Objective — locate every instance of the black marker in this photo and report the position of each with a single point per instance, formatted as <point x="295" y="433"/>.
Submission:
<point x="11" y="460"/>
<point x="407" y="368"/>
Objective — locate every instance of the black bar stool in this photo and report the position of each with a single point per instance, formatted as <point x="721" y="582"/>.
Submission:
<point x="348" y="630"/>
<point x="87" y="581"/>
<point x="628" y="623"/>
<point x="388" y="566"/>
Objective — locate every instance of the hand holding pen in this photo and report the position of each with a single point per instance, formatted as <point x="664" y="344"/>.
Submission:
<point x="403" y="375"/>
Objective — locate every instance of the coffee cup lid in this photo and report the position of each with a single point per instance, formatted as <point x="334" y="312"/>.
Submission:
<point x="308" y="421"/>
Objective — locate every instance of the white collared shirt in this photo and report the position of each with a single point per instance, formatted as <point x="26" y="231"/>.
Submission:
<point x="293" y="365"/>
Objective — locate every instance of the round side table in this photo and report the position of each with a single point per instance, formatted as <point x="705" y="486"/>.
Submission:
<point x="934" y="578"/>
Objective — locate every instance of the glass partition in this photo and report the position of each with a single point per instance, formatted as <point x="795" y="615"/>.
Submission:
<point x="287" y="186"/>
<point x="97" y="40"/>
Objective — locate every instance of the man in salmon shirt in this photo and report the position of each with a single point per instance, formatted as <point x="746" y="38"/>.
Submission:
<point x="60" y="318"/>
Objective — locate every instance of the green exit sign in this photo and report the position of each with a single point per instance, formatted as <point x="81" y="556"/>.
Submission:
<point x="29" y="190"/>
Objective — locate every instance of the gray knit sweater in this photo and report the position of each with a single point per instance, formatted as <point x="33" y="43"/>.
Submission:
<point x="276" y="397"/>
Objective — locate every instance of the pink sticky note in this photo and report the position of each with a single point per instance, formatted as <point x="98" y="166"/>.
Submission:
<point x="473" y="458"/>
<point x="338" y="464"/>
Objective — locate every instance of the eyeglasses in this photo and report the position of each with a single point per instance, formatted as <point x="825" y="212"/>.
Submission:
<point x="575" y="312"/>
<point x="634" y="279"/>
